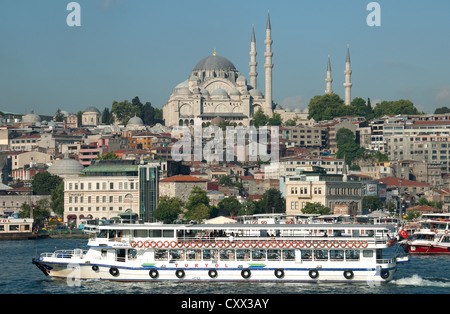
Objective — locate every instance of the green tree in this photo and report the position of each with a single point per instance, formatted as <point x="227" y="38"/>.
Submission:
<point x="59" y="117"/>
<point x="225" y="180"/>
<point x="442" y="110"/>
<point x="108" y="156"/>
<point x="272" y="202"/>
<point x="346" y="145"/>
<point x="125" y="110"/>
<point x="197" y="205"/>
<point x="372" y="202"/>
<point x="275" y="120"/>
<point x="45" y="183"/>
<point x="41" y="210"/>
<point x="360" y="106"/>
<point x="401" y="106"/>
<point x="229" y="207"/>
<point x="325" y="107"/>
<point x="315" y="208"/>
<point x="259" y="118"/>
<point x="107" y="117"/>
<point x="57" y="199"/>
<point x="168" y="209"/>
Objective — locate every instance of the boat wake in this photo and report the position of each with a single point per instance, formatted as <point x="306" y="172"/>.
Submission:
<point x="416" y="280"/>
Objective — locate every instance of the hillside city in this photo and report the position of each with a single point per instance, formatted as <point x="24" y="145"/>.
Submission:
<point x="89" y="165"/>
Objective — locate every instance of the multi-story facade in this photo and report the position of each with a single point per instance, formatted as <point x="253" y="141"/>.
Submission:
<point x="333" y="191"/>
<point x="107" y="189"/>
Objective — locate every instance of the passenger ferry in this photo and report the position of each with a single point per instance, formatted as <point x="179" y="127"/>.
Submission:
<point x="432" y="238"/>
<point x="229" y="252"/>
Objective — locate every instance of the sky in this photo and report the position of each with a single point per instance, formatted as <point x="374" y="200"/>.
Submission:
<point x="144" y="48"/>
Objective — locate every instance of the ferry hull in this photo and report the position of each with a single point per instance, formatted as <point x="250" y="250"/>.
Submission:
<point x="300" y="273"/>
<point x="428" y="249"/>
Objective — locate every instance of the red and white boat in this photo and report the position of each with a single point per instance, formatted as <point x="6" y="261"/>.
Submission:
<point x="432" y="238"/>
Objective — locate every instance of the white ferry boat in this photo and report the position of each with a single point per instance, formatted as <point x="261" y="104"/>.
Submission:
<point x="229" y="252"/>
<point x="17" y="229"/>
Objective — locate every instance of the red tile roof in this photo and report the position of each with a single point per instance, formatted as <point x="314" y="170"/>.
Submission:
<point x="394" y="181"/>
<point x="182" y="178"/>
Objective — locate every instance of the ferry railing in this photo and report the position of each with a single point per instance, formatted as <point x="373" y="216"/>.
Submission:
<point x="76" y="253"/>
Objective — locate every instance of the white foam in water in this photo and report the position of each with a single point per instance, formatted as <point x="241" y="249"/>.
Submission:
<point x="416" y="280"/>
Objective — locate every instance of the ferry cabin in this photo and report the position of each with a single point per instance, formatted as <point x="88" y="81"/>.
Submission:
<point x="14" y="228"/>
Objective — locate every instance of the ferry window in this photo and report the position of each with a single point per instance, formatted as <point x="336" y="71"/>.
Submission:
<point x="306" y="255"/>
<point x="351" y="255"/>
<point x="288" y="255"/>
<point x="226" y="255"/>
<point x="103" y="234"/>
<point x="243" y="255"/>
<point x="2" y="227"/>
<point x="273" y="255"/>
<point x="320" y="255"/>
<point x="337" y="255"/>
<point x="258" y="254"/>
<point x="176" y="254"/>
<point x="161" y="255"/>
<point x="13" y="227"/>
<point x="140" y="233"/>
<point x="155" y="233"/>
<point x="193" y="255"/>
<point x="446" y="239"/>
<point x="367" y="253"/>
<point x="168" y="233"/>
<point x="132" y="254"/>
<point x="210" y="254"/>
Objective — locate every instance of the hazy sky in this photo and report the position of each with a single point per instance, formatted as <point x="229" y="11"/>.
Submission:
<point x="128" y="48"/>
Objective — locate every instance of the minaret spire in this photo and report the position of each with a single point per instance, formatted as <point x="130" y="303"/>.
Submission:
<point x="253" y="74"/>
<point x="348" y="84"/>
<point x="329" y="79"/>
<point x="268" y="66"/>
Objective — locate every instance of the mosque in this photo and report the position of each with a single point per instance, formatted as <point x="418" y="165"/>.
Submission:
<point x="217" y="91"/>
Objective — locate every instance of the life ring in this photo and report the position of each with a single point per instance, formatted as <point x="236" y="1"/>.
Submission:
<point x="199" y="243"/>
<point x="180" y="273"/>
<point x="212" y="244"/>
<point x="348" y="274"/>
<point x="114" y="271"/>
<point x="279" y="273"/>
<point x="166" y="244"/>
<point x="173" y="244"/>
<point x="335" y="243"/>
<point x="322" y="244"/>
<point x="95" y="268"/>
<point x="446" y="231"/>
<point x="219" y="243"/>
<point x="180" y="244"/>
<point x="273" y="244"/>
<point x="240" y="244"/>
<point x="260" y="244"/>
<point x="307" y="243"/>
<point x="232" y="243"/>
<point x="186" y="244"/>
<point x="329" y="244"/>
<point x="206" y="244"/>
<point x="287" y="244"/>
<point x="357" y="244"/>
<point x="153" y="273"/>
<point x="384" y="273"/>
<point x="253" y="244"/>
<point x="153" y="244"/>
<point x="146" y="244"/>
<point x="193" y="244"/>
<point x="350" y="243"/>
<point x="255" y="222"/>
<point x="300" y="244"/>
<point x="315" y="244"/>
<point x="264" y="222"/>
<point x="342" y="244"/>
<point x="226" y="243"/>
<point x="294" y="244"/>
<point x="280" y="243"/>
<point x="246" y="244"/>
<point x="159" y="244"/>
<point x="212" y="273"/>
<point x="313" y="273"/>
<point x="246" y="273"/>
<point x="364" y="244"/>
<point x="133" y="243"/>
<point x="140" y="244"/>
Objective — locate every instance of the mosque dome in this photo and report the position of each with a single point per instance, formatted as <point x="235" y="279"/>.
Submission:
<point x="91" y="109"/>
<point x="66" y="167"/>
<point x="215" y="62"/>
<point x="220" y="93"/>
<point x="256" y="93"/>
<point x="135" y="121"/>
<point x="31" y="118"/>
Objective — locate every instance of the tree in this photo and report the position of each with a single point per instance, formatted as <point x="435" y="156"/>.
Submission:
<point x="40" y="210"/>
<point x="57" y="199"/>
<point x="325" y="107"/>
<point x="315" y="208"/>
<point x="272" y="202"/>
<point x="197" y="205"/>
<point x="259" y="118"/>
<point x="442" y="110"/>
<point x="346" y="145"/>
<point x="108" y="156"/>
<point x="371" y="202"/>
<point x="225" y="180"/>
<point x="107" y="117"/>
<point x="59" y="117"/>
<point x="401" y="106"/>
<point x="229" y="207"/>
<point x="168" y="209"/>
<point x="125" y="110"/>
<point x="275" y="120"/>
<point x="45" y="183"/>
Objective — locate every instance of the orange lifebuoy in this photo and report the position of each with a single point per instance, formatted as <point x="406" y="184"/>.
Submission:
<point x="146" y="244"/>
<point x="140" y="244"/>
<point x="159" y="244"/>
<point x="186" y="244"/>
<point x="321" y="244"/>
<point x="246" y="244"/>
<point x="260" y="244"/>
<point x="255" y="222"/>
<point x="287" y="243"/>
<point x="206" y="244"/>
<point x="240" y="244"/>
<point x="166" y="244"/>
<point x="364" y="244"/>
<point x="357" y="244"/>
<point x="199" y="243"/>
<point x="350" y="243"/>
<point x="307" y="243"/>
<point x="295" y="243"/>
<point x="264" y="222"/>
<point x="173" y="244"/>
<point x="193" y="244"/>
<point x="133" y="243"/>
<point x="253" y="244"/>
<point x="315" y="243"/>
<point x="219" y="243"/>
<point x="213" y="244"/>
<point x="342" y="243"/>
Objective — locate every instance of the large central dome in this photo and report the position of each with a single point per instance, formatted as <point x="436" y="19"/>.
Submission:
<point x="215" y="62"/>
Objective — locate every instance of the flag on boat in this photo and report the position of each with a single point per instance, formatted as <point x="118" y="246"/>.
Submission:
<point x="403" y="233"/>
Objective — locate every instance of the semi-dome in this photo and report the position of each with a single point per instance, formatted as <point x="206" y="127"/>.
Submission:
<point x="215" y="62"/>
<point x="31" y="118"/>
<point x="66" y="167"/>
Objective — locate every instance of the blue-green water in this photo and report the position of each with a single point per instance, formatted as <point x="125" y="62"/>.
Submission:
<point x="422" y="275"/>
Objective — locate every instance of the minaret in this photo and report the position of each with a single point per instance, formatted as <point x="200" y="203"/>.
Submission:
<point x="329" y="80"/>
<point x="253" y="74"/>
<point x="348" y="83"/>
<point x="268" y="66"/>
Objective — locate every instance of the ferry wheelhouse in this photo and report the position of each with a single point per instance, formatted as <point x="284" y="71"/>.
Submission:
<point x="229" y="252"/>
<point x="16" y="229"/>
